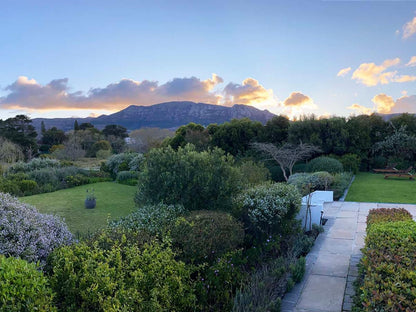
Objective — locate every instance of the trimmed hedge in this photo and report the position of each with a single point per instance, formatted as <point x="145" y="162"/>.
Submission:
<point x="324" y="163"/>
<point x="388" y="215"/>
<point x="387" y="279"/>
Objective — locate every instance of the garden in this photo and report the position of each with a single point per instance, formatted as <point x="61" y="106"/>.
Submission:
<point x="204" y="220"/>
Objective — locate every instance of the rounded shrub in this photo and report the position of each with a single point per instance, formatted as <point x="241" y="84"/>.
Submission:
<point x="321" y="180"/>
<point x="350" y="162"/>
<point x="23" y="288"/>
<point x="120" y="278"/>
<point x="324" y="163"/>
<point x="270" y="208"/>
<point x="123" y="162"/>
<point x="127" y="175"/>
<point x="28" y="234"/>
<point x="154" y="219"/>
<point x="206" y="235"/>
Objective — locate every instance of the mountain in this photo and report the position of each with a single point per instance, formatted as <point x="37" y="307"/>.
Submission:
<point x="163" y="115"/>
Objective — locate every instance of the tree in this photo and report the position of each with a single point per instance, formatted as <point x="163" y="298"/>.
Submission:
<point x="276" y="130"/>
<point x="287" y="155"/>
<point x="142" y="140"/>
<point x="115" y="130"/>
<point x="52" y="136"/>
<point x="10" y="152"/>
<point x="20" y="131"/>
<point x="76" y="126"/>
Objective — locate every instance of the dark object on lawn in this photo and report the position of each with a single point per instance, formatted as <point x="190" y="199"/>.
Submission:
<point x="90" y="203"/>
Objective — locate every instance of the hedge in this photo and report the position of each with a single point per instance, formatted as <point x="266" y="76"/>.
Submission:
<point x="387" y="280"/>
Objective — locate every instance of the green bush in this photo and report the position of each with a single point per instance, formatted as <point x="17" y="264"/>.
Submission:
<point x="127" y="175"/>
<point x="34" y="164"/>
<point x="253" y="173"/>
<point x="121" y="278"/>
<point x="203" y="236"/>
<point x="154" y="219"/>
<point x="350" y="162"/>
<point x="23" y="288"/>
<point x="196" y="180"/>
<point x="341" y="182"/>
<point x="270" y="209"/>
<point x="216" y="284"/>
<point x="122" y="162"/>
<point x="324" y="163"/>
<point x="388" y="215"/>
<point x="27" y="187"/>
<point x="388" y="266"/>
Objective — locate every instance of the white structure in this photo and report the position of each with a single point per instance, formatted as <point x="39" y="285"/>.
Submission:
<point x="317" y="200"/>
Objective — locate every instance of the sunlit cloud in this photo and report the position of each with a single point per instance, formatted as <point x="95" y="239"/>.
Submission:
<point x="297" y="104"/>
<point x="404" y="78"/>
<point x="409" y="29"/>
<point x="297" y="99"/>
<point x="412" y="61"/>
<point x="371" y="74"/>
<point x="383" y="103"/>
<point x="28" y="94"/>
<point x="249" y="92"/>
<point x="343" y="72"/>
<point x="362" y="110"/>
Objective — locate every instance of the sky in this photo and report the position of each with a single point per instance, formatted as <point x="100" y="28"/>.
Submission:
<point x="86" y="58"/>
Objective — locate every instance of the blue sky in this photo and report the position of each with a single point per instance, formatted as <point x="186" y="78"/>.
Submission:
<point x="76" y="58"/>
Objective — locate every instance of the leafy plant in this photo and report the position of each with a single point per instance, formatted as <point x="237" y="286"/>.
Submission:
<point x="23" y="287"/>
<point x="324" y="163"/>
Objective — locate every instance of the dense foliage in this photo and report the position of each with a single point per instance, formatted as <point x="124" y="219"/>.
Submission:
<point x="23" y="287"/>
<point x="388" y="215"/>
<point x="323" y="163"/>
<point x="123" y="162"/>
<point x="388" y="267"/>
<point x="118" y="275"/>
<point x="203" y="236"/>
<point x="269" y="209"/>
<point x="196" y="180"/>
<point x="154" y="219"/>
<point x="28" y="234"/>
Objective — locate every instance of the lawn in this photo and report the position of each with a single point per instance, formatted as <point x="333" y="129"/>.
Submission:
<point x="113" y="201"/>
<point x="370" y="187"/>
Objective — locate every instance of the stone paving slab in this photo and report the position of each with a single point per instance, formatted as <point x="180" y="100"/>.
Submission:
<point x="323" y="293"/>
<point x="331" y="265"/>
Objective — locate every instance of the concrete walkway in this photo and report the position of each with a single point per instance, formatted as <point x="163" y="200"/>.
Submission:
<point x="331" y="266"/>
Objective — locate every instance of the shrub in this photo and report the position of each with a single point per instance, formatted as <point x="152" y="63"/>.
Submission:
<point x="268" y="284"/>
<point x="350" y="162"/>
<point x="154" y="219"/>
<point x="203" y="236"/>
<point x="388" y="266"/>
<point x="122" y="162"/>
<point x="23" y="288"/>
<point x="321" y="180"/>
<point x="217" y="284"/>
<point x="103" y="154"/>
<point x="254" y="173"/>
<point x="34" y="164"/>
<point x="197" y="180"/>
<point x="324" y="163"/>
<point x="270" y="208"/>
<point x="127" y="175"/>
<point x="307" y="182"/>
<point x="27" y="187"/>
<point x="102" y="145"/>
<point x="388" y="215"/>
<point x="121" y="278"/>
<point x="341" y="182"/>
<point x="28" y="234"/>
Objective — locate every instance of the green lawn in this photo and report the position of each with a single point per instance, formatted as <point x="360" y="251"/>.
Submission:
<point x="370" y="187"/>
<point x="113" y="201"/>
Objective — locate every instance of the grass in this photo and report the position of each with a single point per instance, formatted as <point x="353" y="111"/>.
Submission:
<point x="113" y="201"/>
<point x="370" y="187"/>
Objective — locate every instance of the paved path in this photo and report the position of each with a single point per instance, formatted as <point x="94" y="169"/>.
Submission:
<point x="331" y="266"/>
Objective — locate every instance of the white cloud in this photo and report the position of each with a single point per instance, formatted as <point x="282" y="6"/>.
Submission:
<point x="383" y="103"/>
<point x="362" y="110"/>
<point x="343" y="72"/>
<point x="371" y="74"/>
<point x="409" y="29"/>
<point x="412" y="61"/>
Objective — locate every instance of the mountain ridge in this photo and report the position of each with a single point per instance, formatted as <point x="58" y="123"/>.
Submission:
<point x="168" y="115"/>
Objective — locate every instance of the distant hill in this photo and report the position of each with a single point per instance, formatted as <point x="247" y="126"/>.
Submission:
<point x="164" y="115"/>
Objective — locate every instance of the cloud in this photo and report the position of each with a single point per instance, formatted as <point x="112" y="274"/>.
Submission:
<point x="405" y="104"/>
<point x="383" y="103"/>
<point x="297" y="99"/>
<point x="26" y="93"/>
<point x="412" y="61"/>
<point x="404" y="78"/>
<point x="249" y="92"/>
<point x="343" y="72"/>
<point x="362" y="110"/>
<point x="409" y="29"/>
<point x="371" y="74"/>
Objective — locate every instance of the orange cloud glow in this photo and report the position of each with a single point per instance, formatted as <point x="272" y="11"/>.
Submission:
<point x="371" y="74"/>
<point x="344" y="72"/>
<point x="362" y="110"/>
